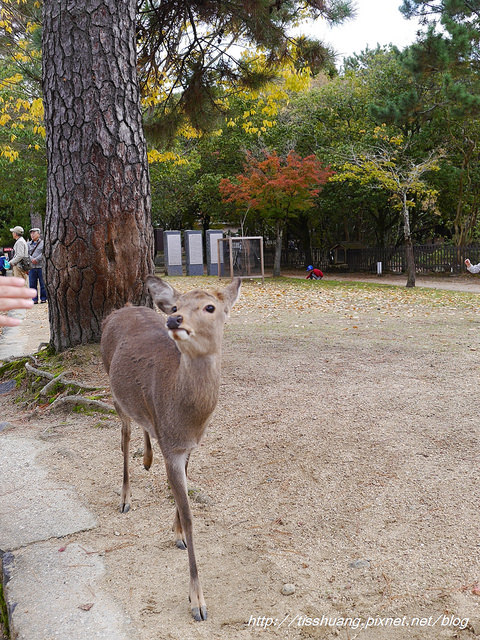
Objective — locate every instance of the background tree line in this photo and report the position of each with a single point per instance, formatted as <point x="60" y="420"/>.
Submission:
<point x="398" y="130"/>
<point x="428" y="94"/>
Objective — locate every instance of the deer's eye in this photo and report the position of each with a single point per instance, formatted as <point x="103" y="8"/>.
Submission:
<point x="210" y="308"/>
<point x="174" y="309"/>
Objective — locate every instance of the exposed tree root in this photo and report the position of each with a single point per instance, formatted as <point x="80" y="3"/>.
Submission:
<point x="54" y="379"/>
<point x="83" y="402"/>
<point x="61" y="380"/>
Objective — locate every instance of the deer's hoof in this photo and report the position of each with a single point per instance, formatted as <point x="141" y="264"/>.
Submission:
<point x="199" y="613"/>
<point x="180" y="544"/>
<point x="124" y="508"/>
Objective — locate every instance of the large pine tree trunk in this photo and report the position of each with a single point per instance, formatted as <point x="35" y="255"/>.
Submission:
<point x="98" y="234"/>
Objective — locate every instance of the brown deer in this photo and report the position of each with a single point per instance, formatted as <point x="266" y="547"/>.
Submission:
<point x="165" y="377"/>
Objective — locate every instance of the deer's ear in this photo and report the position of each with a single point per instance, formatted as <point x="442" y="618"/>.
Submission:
<point x="164" y="295"/>
<point x="230" y="294"/>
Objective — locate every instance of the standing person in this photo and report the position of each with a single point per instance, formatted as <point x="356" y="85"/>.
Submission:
<point x="313" y="274"/>
<point x="473" y="268"/>
<point x="35" y="275"/>
<point x="20" y="250"/>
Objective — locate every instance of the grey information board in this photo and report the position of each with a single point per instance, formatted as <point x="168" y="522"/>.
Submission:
<point x="194" y="253"/>
<point x="173" y="252"/>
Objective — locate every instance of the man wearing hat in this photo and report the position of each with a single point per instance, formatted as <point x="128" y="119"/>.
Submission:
<point x="20" y="250"/>
<point x="35" y="275"/>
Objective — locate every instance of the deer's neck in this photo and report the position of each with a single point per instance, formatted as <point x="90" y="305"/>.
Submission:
<point x="198" y="381"/>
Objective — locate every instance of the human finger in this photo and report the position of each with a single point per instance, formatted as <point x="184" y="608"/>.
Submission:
<point x="12" y="281"/>
<point x="8" y="321"/>
<point x="7" y="304"/>
<point x="7" y="291"/>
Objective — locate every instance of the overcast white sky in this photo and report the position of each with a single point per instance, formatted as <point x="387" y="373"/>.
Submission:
<point x="377" y="22"/>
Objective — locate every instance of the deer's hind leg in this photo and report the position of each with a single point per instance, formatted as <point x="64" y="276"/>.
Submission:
<point x="147" y="451"/>
<point x="125" y="444"/>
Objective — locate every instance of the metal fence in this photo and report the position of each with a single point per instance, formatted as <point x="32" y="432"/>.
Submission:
<point x="295" y="259"/>
<point x="241" y="256"/>
<point x="428" y="259"/>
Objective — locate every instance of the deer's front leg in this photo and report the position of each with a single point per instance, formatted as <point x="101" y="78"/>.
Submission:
<point x="180" y="541"/>
<point x="177" y="478"/>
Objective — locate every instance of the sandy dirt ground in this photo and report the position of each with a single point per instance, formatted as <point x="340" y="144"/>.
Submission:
<point x="343" y="459"/>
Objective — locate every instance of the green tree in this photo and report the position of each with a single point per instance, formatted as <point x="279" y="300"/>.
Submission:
<point x="333" y="118"/>
<point x="22" y="160"/>
<point x="459" y="18"/>
<point x="389" y="165"/>
<point x="448" y="54"/>
<point x="172" y="183"/>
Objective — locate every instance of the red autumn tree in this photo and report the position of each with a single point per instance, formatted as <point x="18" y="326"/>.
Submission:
<point x="277" y="190"/>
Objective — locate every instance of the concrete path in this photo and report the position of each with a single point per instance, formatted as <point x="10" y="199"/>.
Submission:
<point x="12" y="337"/>
<point x="49" y="592"/>
<point x="52" y="589"/>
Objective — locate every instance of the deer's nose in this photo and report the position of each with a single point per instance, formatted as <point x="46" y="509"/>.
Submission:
<point x="174" y="322"/>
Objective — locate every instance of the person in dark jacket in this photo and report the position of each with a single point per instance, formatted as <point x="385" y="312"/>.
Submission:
<point x="35" y="275"/>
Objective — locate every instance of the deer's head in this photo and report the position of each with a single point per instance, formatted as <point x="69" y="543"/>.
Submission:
<point x="196" y="318"/>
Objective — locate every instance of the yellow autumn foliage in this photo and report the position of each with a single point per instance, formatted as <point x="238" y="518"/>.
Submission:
<point x="20" y="120"/>
<point x="8" y="152"/>
<point x="165" y="156"/>
<point x="266" y="102"/>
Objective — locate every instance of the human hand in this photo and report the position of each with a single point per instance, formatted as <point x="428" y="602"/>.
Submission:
<point x="14" y="295"/>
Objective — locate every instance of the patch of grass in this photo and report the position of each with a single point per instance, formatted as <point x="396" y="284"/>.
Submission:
<point x="83" y="360"/>
<point x="91" y="411"/>
<point x="4" y="628"/>
<point x="85" y="410"/>
<point x="12" y="368"/>
<point x="424" y="295"/>
<point x="105" y="422"/>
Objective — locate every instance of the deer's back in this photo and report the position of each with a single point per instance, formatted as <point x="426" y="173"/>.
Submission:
<point x="141" y="361"/>
<point x="135" y="333"/>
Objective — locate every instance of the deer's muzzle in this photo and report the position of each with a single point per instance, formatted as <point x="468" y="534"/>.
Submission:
<point x="174" y="322"/>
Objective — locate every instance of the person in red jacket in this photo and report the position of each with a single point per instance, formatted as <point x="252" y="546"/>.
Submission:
<point x="313" y="274"/>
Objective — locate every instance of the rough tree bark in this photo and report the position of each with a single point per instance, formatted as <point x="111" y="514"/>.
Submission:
<point x="277" y="260"/>
<point x="98" y="233"/>
<point x="409" y="253"/>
